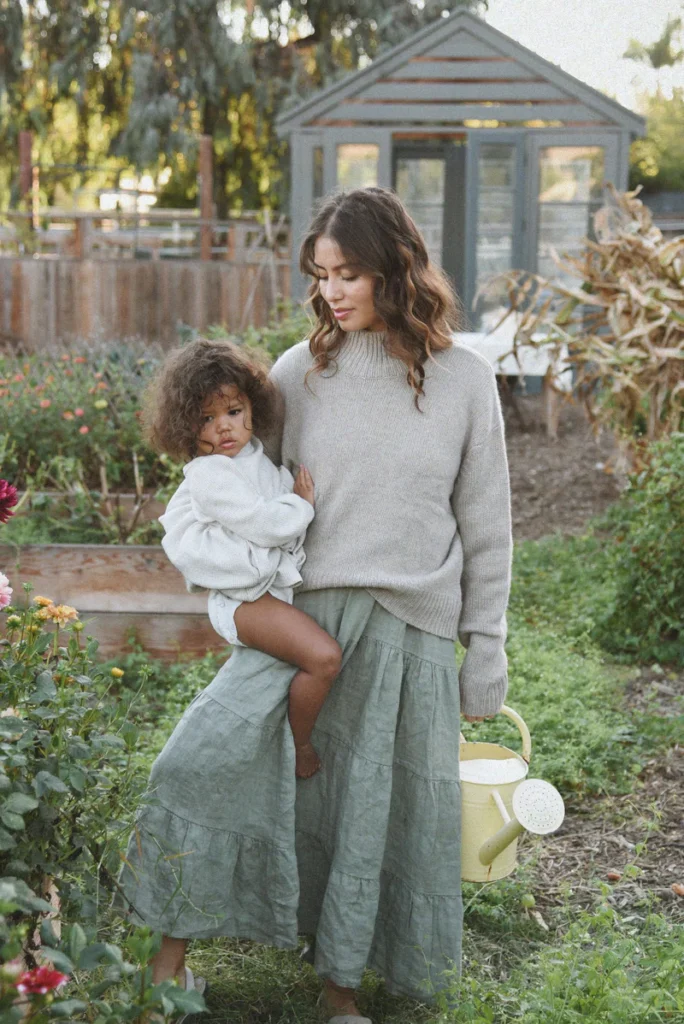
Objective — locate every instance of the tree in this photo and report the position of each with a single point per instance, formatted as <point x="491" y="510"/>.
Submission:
<point x="657" y="161"/>
<point x="663" y="52"/>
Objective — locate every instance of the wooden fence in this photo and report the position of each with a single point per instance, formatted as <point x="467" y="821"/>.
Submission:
<point x="44" y="302"/>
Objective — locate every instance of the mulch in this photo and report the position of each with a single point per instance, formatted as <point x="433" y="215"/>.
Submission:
<point x="557" y="485"/>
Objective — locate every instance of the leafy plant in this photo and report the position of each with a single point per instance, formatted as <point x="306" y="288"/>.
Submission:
<point x="67" y="782"/>
<point x="645" y="619"/>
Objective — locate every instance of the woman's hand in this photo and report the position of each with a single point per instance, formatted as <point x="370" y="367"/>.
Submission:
<point x="304" y="485"/>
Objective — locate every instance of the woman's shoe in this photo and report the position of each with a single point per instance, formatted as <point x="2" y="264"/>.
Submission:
<point x="191" y="982"/>
<point x="340" y="1018"/>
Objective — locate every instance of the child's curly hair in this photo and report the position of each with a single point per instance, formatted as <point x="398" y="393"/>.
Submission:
<point x="413" y="296"/>
<point x="172" y="411"/>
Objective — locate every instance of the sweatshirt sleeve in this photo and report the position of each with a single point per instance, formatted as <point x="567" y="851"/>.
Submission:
<point x="221" y="495"/>
<point x="481" y="505"/>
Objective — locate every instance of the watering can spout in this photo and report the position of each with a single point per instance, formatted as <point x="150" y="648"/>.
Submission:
<point x="537" y="807"/>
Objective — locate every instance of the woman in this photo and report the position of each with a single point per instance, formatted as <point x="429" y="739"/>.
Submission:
<point x="410" y="548"/>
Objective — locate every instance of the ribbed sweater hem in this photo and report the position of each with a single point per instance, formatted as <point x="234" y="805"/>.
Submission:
<point x="433" y="613"/>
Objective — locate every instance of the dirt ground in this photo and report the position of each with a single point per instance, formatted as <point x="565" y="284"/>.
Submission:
<point x="556" y="485"/>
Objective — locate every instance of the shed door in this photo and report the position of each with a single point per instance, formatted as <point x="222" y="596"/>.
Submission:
<point x="496" y="224"/>
<point x="429" y="178"/>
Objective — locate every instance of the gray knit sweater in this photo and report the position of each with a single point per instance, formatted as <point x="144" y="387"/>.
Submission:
<point x="412" y="506"/>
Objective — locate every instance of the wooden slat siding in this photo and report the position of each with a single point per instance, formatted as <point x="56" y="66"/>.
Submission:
<point x="47" y="302"/>
<point x="447" y="69"/>
<point x="462" y="45"/>
<point x="455" y="113"/>
<point x="458" y="90"/>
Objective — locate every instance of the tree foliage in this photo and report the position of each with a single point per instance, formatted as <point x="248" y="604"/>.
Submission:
<point x="137" y="81"/>
<point x="657" y="161"/>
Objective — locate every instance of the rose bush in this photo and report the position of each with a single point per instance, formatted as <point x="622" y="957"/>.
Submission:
<point x="66" y="781"/>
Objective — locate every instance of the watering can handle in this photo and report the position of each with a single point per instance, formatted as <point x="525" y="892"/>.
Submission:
<point x="524" y="731"/>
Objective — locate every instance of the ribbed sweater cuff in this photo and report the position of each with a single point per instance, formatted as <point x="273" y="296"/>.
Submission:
<point x="483" y="678"/>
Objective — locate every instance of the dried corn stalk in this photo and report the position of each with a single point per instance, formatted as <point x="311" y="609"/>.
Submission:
<point x="622" y="323"/>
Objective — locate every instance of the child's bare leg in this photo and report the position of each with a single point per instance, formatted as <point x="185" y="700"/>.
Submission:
<point x="169" y="961"/>
<point x="279" y="629"/>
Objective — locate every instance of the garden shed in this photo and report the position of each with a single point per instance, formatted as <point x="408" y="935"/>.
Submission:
<point x="498" y="154"/>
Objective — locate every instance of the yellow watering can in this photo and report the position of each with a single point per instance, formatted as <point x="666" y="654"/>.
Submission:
<point x="498" y="803"/>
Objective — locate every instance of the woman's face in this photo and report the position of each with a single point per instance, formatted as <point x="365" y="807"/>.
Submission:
<point x="348" y="292"/>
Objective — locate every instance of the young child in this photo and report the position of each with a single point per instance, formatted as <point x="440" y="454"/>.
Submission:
<point x="236" y="524"/>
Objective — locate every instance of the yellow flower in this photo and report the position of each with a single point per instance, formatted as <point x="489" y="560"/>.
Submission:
<point x="100" y="404"/>
<point x="62" y="614"/>
<point x="14" y="620"/>
<point x="116" y="672"/>
<point x="46" y="612"/>
<point x="43" y="601"/>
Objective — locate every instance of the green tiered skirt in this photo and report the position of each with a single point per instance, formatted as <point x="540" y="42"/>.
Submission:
<point x="365" y="855"/>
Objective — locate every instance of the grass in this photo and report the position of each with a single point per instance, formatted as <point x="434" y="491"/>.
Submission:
<point x="597" y="963"/>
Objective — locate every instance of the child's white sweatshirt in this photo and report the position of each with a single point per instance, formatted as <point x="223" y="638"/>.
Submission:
<point x="234" y="525"/>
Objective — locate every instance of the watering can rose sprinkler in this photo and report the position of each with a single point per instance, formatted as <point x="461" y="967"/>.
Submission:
<point x="498" y="803"/>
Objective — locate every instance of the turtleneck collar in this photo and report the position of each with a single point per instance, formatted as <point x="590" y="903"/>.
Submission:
<point x="363" y="354"/>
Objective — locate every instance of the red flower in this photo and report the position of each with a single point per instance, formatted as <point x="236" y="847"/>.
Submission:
<point x="8" y="497"/>
<point x="41" y="980"/>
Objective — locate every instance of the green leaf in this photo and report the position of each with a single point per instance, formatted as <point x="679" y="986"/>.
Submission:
<point x="46" y="781"/>
<point x="47" y="934"/>
<point x="5" y="783"/>
<point x="77" y="779"/>
<point x="188" y="1002"/>
<point x="20" y="803"/>
<point x="65" y="1007"/>
<point x="7" y="842"/>
<point x="56" y="956"/>
<point x="15" y="822"/>
<point x="11" y="726"/>
<point x="45" y="688"/>
<point x="77" y="942"/>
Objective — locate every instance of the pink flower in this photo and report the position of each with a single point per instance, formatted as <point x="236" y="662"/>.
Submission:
<point x="45" y="403"/>
<point x="78" y="412"/>
<point x="83" y="430"/>
<point x="41" y="980"/>
<point x="18" y="376"/>
<point x="5" y="591"/>
<point x="8" y="498"/>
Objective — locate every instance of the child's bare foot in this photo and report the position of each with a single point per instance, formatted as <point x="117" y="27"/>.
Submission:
<point x="307" y="761"/>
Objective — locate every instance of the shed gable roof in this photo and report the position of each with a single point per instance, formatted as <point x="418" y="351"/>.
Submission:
<point x="455" y="71"/>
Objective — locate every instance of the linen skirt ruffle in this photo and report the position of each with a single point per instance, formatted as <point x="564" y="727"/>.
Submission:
<point x="365" y="855"/>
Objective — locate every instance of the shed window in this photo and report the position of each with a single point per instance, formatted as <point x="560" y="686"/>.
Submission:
<point x="357" y="165"/>
<point x="420" y="185"/>
<point x="495" y="226"/>
<point x="570" y="190"/>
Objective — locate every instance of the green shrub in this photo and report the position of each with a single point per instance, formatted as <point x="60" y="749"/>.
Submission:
<point x="68" y="783"/>
<point x="645" y="619"/>
<point x="85" y="405"/>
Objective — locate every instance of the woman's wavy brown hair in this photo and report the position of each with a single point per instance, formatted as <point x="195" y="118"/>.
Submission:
<point x="172" y="411"/>
<point x="413" y="297"/>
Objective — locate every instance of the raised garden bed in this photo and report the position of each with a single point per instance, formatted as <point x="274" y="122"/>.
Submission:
<point x="120" y="591"/>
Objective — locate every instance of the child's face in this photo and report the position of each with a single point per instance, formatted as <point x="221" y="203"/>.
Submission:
<point x="226" y="422"/>
<point x="348" y="292"/>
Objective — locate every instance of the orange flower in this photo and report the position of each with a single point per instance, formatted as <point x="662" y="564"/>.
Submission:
<point x="65" y="358"/>
<point x="97" y="376"/>
<point x="62" y="614"/>
<point x="44" y="602"/>
<point x="4" y="392"/>
<point x="68" y="415"/>
<point x="80" y="359"/>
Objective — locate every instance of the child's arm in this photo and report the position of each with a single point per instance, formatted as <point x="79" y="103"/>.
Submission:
<point x="220" y="494"/>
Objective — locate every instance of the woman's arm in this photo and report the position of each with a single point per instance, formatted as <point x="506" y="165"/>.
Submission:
<point x="482" y="507"/>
